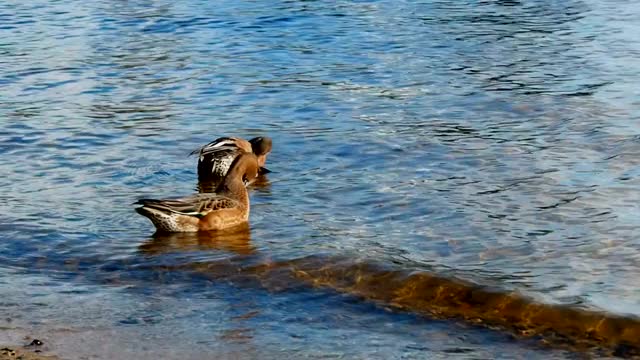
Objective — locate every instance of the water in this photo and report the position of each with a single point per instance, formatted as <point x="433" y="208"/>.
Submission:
<point x="494" y="141"/>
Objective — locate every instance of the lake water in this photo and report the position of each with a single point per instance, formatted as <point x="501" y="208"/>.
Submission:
<point x="494" y="141"/>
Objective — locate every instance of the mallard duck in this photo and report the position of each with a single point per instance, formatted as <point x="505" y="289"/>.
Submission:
<point x="216" y="157"/>
<point x="226" y="208"/>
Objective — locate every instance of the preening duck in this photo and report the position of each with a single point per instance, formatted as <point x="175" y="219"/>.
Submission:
<point x="215" y="158"/>
<point x="226" y="208"/>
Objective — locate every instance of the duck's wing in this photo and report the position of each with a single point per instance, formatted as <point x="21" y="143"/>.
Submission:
<point x="197" y="205"/>
<point x="215" y="158"/>
<point x="223" y="145"/>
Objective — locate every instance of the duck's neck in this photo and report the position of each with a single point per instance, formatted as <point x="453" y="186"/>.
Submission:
<point x="233" y="186"/>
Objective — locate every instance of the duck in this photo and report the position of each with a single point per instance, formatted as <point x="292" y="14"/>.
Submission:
<point x="216" y="157"/>
<point x="226" y="208"/>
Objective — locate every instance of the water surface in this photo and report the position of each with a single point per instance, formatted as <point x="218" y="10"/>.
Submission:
<point x="494" y="141"/>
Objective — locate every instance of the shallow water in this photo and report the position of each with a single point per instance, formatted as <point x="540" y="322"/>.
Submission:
<point x="493" y="141"/>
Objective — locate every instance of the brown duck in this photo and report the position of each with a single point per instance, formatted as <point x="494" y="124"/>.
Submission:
<point x="226" y="208"/>
<point x="215" y="158"/>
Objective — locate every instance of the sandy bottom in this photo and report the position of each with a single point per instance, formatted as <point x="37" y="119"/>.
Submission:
<point x="11" y="352"/>
<point x="17" y="344"/>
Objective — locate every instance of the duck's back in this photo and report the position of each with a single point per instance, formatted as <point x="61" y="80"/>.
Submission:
<point x="215" y="158"/>
<point x="214" y="166"/>
<point x="184" y="214"/>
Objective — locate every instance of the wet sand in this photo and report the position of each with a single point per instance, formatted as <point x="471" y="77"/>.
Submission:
<point x="23" y="344"/>
<point x="11" y="352"/>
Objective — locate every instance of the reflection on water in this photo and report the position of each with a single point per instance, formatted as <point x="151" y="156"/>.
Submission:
<point x="493" y="141"/>
<point x="236" y="240"/>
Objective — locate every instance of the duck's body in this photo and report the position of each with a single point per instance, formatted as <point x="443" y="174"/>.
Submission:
<point x="215" y="158"/>
<point x="226" y="208"/>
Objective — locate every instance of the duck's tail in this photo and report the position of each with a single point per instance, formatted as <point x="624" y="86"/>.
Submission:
<point x="163" y="217"/>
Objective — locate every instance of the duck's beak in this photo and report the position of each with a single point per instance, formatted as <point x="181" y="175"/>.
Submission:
<point x="263" y="170"/>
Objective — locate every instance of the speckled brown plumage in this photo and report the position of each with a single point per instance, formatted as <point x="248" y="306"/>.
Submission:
<point x="227" y="207"/>
<point x="215" y="158"/>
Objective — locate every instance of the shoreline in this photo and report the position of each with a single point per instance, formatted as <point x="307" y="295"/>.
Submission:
<point x="19" y="344"/>
<point x="19" y="352"/>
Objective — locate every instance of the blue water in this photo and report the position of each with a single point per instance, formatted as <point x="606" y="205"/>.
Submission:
<point x="495" y="140"/>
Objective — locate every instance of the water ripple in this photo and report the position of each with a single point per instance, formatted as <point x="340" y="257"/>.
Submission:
<point x="490" y="137"/>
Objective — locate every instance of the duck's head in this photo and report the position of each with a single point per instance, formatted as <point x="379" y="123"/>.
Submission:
<point x="261" y="146"/>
